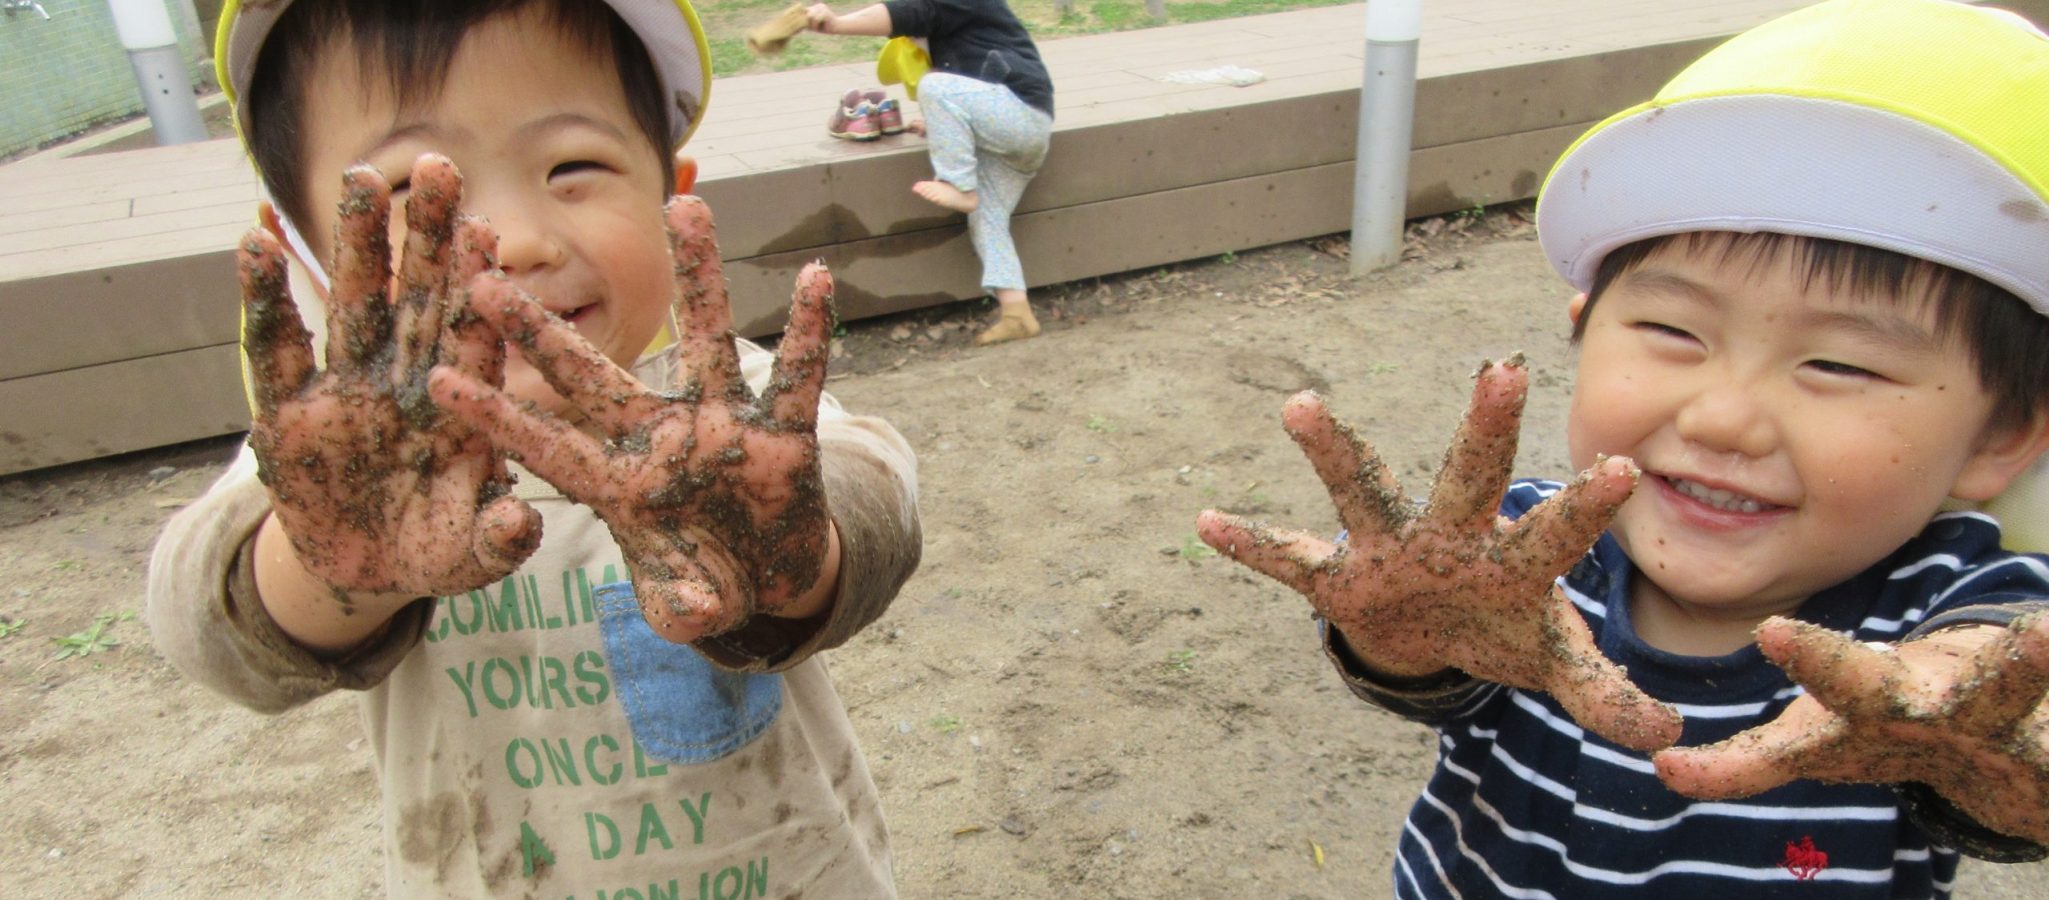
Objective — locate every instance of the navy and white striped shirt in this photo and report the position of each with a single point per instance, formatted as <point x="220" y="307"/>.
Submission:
<point x="1525" y="804"/>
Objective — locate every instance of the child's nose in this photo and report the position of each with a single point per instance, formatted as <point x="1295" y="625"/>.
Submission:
<point x="1728" y="417"/>
<point x="525" y="242"/>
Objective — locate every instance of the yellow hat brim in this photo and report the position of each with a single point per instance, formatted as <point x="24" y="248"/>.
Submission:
<point x="1889" y="123"/>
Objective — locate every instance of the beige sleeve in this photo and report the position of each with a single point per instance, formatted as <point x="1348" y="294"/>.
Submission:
<point x="871" y="489"/>
<point x="207" y="620"/>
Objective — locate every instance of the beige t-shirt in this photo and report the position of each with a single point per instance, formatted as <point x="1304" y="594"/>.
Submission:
<point x="535" y="738"/>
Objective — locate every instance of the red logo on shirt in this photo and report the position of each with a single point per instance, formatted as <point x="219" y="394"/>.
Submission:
<point x="1803" y="860"/>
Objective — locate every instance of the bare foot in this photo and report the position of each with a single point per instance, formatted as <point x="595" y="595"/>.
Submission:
<point x="943" y="194"/>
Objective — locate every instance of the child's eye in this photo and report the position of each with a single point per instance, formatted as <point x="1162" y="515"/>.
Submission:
<point x="1842" y="369"/>
<point x="1662" y="329"/>
<point x="574" y="167"/>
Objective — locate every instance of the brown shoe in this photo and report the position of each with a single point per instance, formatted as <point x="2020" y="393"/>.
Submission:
<point x="1009" y="328"/>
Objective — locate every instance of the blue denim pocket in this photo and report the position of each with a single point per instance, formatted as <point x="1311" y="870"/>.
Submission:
<point x="682" y="708"/>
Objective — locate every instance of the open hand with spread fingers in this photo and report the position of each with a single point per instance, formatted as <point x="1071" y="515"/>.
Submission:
<point x="714" y="494"/>
<point x="379" y="491"/>
<point x="1959" y="710"/>
<point x="1454" y="584"/>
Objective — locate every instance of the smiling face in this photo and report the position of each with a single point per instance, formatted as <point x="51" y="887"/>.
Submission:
<point x="550" y="155"/>
<point x="1791" y="432"/>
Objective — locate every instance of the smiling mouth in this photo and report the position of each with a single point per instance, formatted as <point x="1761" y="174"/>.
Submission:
<point x="1716" y="498"/>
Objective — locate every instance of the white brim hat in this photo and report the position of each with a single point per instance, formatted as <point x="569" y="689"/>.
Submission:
<point x="668" y="28"/>
<point x="1917" y="126"/>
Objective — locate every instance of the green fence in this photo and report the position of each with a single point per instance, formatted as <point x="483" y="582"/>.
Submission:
<point x="69" y="72"/>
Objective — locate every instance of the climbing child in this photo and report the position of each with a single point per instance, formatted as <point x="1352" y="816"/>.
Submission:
<point x="988" y="107"/>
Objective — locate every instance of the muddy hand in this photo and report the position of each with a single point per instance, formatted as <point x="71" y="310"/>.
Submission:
<point x="378" y="490"/>
<point x="714" y="495"/>
<point x="1454" y="585"/>
<point x="1966" y="721"/>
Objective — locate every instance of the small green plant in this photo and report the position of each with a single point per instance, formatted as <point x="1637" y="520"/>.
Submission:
<point x="1192" y="548"/>
<point x="93" y="639"/>
<point x="944" y="724"/>
<point x="10" y="626"/>
<point x="1475" y="211"/>
<point x="1229" y="258"/>
<point x="1100" y="425"/>
<point x="68" y="565"/>
<point x="1180" y="662"/>
<point x="1383" y="368"/>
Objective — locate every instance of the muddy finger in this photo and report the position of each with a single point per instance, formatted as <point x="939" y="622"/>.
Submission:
<point x="1849" y="678"/>
<point x="1594" y="690"/>
<point x="1294" y="558"/>
<point x="800" y="357"/>
<point x="359" y="313"/>
<point x="1554" y="534"/>
<point x="476" y="249"/>
<point x="2012" y="674"/>
<point x="1369" y="500"/>
<point x="570" y="460"/>
<point x="582" y="374"/>
<point x="274" y="339"/>
<point x="435" y="190"/>
<point x="1476" y="466"/>
<point x="1741" y="766"/>
<point x="685" y="614"/>
<point x="1600" y="696"/>
<point x="508" y="531"/>
<point x="471" y="343"/>
<point x="711" y="365"/>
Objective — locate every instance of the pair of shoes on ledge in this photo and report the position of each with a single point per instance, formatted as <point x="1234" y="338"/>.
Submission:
<point x="864" y="115"/>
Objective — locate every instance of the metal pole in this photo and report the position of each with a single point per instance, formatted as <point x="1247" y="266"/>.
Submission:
<point x="145" y="30"/>
<point x="1387" y="112"/>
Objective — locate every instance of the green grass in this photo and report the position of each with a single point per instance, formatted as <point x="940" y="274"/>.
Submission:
<point x="8" y="627"/>
<point x="1180" y="662"/>
<point x="1192" y="548"/>
<point x="94" y="639"/>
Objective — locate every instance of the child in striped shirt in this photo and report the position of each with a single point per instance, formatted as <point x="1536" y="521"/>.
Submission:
<point x="1814" y="311"/>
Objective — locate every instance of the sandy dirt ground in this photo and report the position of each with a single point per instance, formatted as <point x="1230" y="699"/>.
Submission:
<point x="1072" y="695"/>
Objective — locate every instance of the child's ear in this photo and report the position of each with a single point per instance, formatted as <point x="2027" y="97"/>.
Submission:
<point x="686" y="173"/>
<point x="1577" y="306"/>
<point x="2001" y="458"/>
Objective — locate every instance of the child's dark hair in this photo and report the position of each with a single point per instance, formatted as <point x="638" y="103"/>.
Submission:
<point x="410" y="42"/>
<point x="2008" y="339"/>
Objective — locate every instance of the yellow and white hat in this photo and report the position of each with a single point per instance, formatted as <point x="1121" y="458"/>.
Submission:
<point x="1917" y="126"/>
<point x="668" y="28"/>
